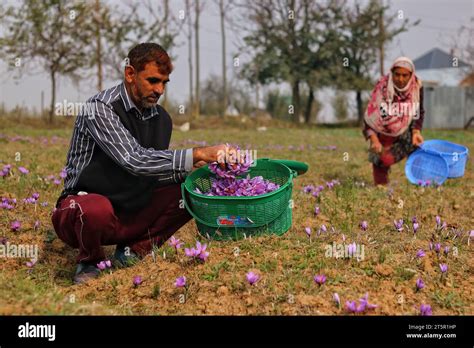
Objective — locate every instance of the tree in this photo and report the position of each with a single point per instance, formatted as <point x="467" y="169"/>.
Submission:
<point x="54" y="34"/>
<point x="190" y="52"/>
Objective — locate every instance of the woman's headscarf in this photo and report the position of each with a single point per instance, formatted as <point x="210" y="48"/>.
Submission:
<point x="391" y="110"/>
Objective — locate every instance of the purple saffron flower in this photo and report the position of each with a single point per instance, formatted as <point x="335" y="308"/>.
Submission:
<point x="63" y="173"/>
<point x="15" y="225"/>
<point x="315" y="193"/>
<point x="425" y="309"/>
<point x="398" y="225"/>
<point x="101" y="265"/>
<point x="108" y="264"/>
<point x="308" y="231"/>
<point x="320" y="279"/>
<point x="351" y="249"/>
<point x="308" y="188"/>
<point x="337" y="299"/>
<point x="31" y="264"/>
<point x="437" y="248"/>
<point x="37" y="225"/>
<point x="180" y="282"/>
<point x="414" y="219"/>
<point x="438" y="221"/>
<point x="443" y="267"/>
<point x="446" y="250"/>
<point x="364" y="225"/>
<point x="316" y="210"/>
<point x="351" y="306"/>
<point x="419" y="284"/>
<point x="57" y="182"/>
<point x="323" y="228"/>
<point x="252" y="278"/>
<point x="137" y="280"/>
<point x="420" y="253"/>
<point x="175" y="243"/>
<point x="23" y="170"/>
<point x="415" y="227"/>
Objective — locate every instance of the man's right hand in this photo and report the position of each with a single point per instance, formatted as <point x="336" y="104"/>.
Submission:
<point x="210" y="154"/>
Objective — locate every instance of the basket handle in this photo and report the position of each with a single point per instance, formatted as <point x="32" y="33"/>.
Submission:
<point x="197" y="218"/>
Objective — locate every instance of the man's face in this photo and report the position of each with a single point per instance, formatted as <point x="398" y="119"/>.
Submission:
<point x="146" y="86"/>
<point x="401" y="76"/>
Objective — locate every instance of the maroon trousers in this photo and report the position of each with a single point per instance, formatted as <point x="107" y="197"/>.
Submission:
<point x="89" y="221"/>
<point x="387" y="159"/>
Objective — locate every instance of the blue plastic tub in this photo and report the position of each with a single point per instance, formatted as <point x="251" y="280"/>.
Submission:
<point x="426" y="166"/>
<point x="454" y="154"/>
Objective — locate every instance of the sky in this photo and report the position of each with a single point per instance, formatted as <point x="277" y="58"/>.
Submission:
<point x="440" y="20"/>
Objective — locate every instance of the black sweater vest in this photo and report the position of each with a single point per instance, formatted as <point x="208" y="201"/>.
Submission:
<point x="126" y="191"/>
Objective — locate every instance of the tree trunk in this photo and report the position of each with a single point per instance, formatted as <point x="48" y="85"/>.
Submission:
<point x="360" y="112"/>
<point x="309" y="106"/>
<point x="196" y="42"/>
<point x="190" y="56"/>
<point x="295" y="97"/>
<point x="53" y="95"/>
<point x="224" y="73"/>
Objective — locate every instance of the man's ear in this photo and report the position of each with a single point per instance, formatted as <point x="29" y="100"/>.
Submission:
<point x="130" y="73"/>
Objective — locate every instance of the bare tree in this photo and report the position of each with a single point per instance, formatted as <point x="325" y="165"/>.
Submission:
<point x="54" y="34"/>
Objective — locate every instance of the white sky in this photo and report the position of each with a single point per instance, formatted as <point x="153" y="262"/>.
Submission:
<point x="440" y="20"/>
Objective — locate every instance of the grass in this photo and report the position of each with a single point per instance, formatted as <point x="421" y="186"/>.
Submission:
<point x="286" y="264"/>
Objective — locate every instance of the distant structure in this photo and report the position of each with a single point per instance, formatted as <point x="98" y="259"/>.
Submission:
<point x="438" y="68"/>
<point x="449" y="90"/>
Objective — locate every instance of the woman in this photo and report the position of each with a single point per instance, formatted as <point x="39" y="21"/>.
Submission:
<point x="394" y="118"/>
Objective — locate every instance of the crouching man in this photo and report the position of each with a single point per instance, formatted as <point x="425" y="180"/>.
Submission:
<point x="123" y="183"/>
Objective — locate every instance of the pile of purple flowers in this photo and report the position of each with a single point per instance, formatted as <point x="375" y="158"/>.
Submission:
<point x="226" y="182"/>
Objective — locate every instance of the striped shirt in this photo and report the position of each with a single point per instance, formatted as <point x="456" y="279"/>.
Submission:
<point x="98" y="125"/>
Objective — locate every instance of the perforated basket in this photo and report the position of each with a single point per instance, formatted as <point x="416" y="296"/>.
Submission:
<point x="233" y="217"/>
<point x="423" y="166"/>
<point x="454" y="154"/>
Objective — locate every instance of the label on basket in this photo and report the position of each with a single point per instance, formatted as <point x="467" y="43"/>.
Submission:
<point x="233" y="220"/>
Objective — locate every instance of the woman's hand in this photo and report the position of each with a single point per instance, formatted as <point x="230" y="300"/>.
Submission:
<point x="375" y="145"/>
<point x="416" y="137"/>
<point x="198" y="164"/>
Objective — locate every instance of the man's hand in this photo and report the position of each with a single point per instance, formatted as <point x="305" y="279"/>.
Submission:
<point x="375" y="145"/>
<point x="416" y="137"/>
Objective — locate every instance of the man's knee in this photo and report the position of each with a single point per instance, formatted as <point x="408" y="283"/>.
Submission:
<point x="96" y="211"/>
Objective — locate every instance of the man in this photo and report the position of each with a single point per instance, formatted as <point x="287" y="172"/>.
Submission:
<point x="123" y="184"/>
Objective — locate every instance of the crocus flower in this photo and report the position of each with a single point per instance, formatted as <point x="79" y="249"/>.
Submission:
<point x="438" y="220"/>
<point x="180" y="282"/>
<point x="414" y="219"/>
<point x="351" y="306"/>
<point x="316" y="210"/>
<point x="351" y="249"/>
<point x="425" y="309"/>
<point x="37" y="225"/>
<point x="364" y="303"/>
<point x="23" y="170"/>
<point x="337" y="299"/>
<point x="420" y="253"/>
<point x="437" y="247"/>
<point x="101" y="265"/>
<point x="308" y="188"/>
<point x="415" y="227"/>
<point x="15" y="225"/>
<point x="398" y="225"/>
<point x="108" y="264"/>
<point x="443" y="267"/>
<point x="31" y="263"/>
<point x="320" y="279"/>
<point x="419" y="284"/>
<point x="252" y="278"/>
<point x="308" y="231"/>
<point x="315" y="193"/>
<point x="323" y="228"/>
<point x="175" y="243"/>
<point x="446" y="250"/>
<point x="364" y="225"/>
<point x="63" y="173"/>
<point x="137" y="280"/>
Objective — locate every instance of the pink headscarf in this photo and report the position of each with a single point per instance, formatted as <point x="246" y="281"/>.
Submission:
<point x="391" y="110"/>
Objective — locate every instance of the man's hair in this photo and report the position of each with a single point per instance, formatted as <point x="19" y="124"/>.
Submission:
<point x="147" y="52"/>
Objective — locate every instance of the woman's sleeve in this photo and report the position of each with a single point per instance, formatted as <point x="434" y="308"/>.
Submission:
<point x="418" y="123"/>
<point x="367" y="131"/>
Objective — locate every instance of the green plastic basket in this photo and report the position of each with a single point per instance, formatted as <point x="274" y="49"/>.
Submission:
<point x="233" y="218"/>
